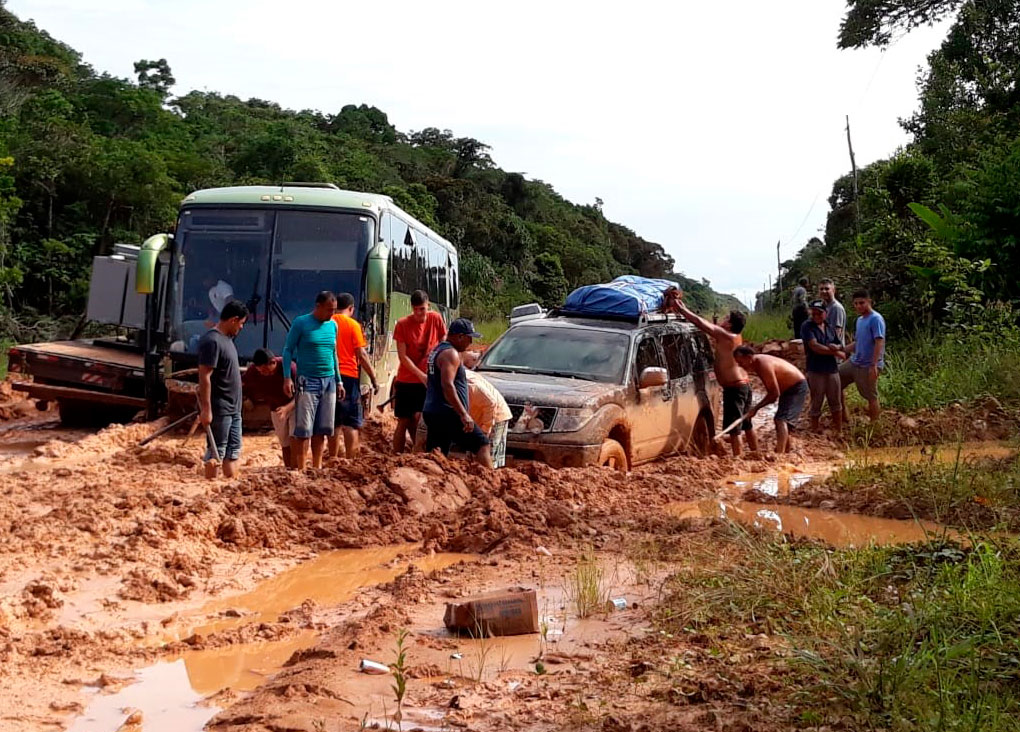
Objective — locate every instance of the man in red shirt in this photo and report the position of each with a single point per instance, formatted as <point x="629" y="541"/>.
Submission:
<point x="350" y="354"/>
<point x="416" y="335"/>
<point x="262" y="383"/>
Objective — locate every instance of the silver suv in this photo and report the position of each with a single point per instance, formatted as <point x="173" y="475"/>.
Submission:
<point x="590" y="391"/>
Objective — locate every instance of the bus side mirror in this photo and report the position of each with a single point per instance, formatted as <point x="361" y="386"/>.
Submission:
<point x="148" y="255"/>
<point x="377" y="273"/>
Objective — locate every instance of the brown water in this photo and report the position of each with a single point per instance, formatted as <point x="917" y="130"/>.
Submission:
<point x="170" y="694"/>
<point x="832" y="527"/>
<point x="329" y="579"/>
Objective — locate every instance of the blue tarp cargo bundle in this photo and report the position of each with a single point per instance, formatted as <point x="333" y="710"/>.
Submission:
<point x="628" y="296"/>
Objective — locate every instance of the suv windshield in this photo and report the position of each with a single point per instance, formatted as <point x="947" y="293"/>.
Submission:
<point x="580" y="353"/>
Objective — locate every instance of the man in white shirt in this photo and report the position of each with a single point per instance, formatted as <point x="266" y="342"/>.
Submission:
<point x="488" y="408"/>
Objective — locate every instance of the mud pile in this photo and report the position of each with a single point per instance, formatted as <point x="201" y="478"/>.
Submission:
<point x="985" y="419"/>
<point x="449" y="504"/>
<point x="14" y="404"/>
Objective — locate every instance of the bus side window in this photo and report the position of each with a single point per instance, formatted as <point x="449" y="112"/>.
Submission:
<point x="454" y="281"/>
<point x="400" y="254"/>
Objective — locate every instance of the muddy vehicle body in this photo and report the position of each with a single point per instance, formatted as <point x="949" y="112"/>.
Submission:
<point x="592" y="391"/>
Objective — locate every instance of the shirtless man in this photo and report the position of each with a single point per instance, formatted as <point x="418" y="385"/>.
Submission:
<point x="733" y="379"/>
<point x="782" y="381"/>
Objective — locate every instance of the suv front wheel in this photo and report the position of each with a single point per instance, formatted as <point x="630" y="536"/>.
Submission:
<point x="612" y="455"/>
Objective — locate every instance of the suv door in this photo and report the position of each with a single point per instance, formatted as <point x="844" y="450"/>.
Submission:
<point x="679" y="354"/>
<point x="651" y="412"/>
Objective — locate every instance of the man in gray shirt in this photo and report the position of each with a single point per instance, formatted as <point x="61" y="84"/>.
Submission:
<point x="835" y="313"/>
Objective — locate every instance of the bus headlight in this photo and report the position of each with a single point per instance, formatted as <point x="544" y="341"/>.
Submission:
<point x="571" y="419"/>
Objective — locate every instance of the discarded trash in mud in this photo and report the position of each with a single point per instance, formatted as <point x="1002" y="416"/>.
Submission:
<point x="510" y="612"/>
<point x="617" y="603"/>
<point x="373" y="667"/>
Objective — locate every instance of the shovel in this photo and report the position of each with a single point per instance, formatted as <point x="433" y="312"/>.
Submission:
<point x="738" y="421"/>
<point x="211" y="444"/>
<point x="163" y="430"/>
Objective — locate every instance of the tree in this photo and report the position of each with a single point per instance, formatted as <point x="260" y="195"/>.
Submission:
<point x="155" y="75"/>
<point x="549" y="284"/>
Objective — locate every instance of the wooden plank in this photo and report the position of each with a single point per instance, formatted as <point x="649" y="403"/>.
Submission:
<point x="49" y="392"/>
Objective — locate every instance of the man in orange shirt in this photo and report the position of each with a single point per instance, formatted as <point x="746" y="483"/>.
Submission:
<point x="350" y="352"/>
<point x="416" y="335"/>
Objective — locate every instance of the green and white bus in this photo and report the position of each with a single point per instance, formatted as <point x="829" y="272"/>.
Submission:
<point x="272" y="247"/>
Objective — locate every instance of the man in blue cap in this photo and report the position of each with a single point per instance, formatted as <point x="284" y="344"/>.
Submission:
<point x="446" y="412"/>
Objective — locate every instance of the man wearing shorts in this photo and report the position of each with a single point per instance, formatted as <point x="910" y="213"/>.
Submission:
<point x="415" y="335"/>
<point x="262" y="383"/>
<point x="867" y="355"/>
<point x="447" y="401"/>
<point x="350" y="353"/>
<point x="488" y="408"/>
<point x="822" y="348"/>
<point x="312" y="343"/>
<point x="783" y="381"/>
<point x="735" y="385"/>
<point x="219" y="390"/>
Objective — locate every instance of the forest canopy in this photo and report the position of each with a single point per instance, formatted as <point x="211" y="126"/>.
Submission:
<point x="88" y="159"/>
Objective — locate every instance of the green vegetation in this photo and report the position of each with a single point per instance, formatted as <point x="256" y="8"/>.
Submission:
<point x="765" y="325"/>
<point x="933" y="230"/>
<point x="962" y="492"/>
<point x="491" y="329"/>
<point x="87" y="159"/>
<point x="932" y="371"/>
<point x="896" y="638"/>
<point x="587" y="585"/>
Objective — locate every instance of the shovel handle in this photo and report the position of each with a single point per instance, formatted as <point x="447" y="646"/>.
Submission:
<point x="163" y="430"/>
<point x="211" y="444"/>
<point x="738" y="421"/>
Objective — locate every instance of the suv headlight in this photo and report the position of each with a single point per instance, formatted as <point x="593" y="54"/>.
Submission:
<point x="571" y="420"/>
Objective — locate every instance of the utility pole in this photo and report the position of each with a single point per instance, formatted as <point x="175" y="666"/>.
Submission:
<point x="853" y="168"/>
<point x="779" y="269"/>
<point x="772" y="297"/>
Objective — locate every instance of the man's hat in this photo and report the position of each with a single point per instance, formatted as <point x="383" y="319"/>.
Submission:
<point x="818" y="305"/>
<point x="463" y="326"/>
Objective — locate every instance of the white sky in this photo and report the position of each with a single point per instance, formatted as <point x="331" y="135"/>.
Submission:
<point x="715" y="129"/>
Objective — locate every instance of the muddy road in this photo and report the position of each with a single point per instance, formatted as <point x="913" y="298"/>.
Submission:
<point x="136" y="595"/>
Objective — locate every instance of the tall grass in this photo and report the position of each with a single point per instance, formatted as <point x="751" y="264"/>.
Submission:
<point x="935" y="370"/>
<point x="767" y="325"/>
<point x="922" y="637"/>
<point x="5" y="344"/>
<point x="491" y="330"/>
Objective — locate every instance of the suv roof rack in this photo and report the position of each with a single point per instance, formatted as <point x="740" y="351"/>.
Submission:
<point x="305" y="184"/>
<point x="643" y="318"/>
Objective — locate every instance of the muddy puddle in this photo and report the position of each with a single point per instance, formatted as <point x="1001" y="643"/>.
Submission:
<point x="832" y="527"/>
<point x="170" y="694"/>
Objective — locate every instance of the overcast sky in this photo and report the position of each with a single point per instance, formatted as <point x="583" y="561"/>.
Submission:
<point x="716" y="129"/>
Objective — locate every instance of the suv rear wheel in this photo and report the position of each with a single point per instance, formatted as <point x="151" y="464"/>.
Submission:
<point x="612" y="455"/>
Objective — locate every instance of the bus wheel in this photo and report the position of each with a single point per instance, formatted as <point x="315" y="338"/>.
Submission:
<point x="612" y="455"/>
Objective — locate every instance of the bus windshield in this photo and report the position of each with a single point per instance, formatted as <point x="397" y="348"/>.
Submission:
<point x="274" y="261"/>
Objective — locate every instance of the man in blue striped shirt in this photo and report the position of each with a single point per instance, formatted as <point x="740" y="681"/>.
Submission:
<point x="311" y="342"/>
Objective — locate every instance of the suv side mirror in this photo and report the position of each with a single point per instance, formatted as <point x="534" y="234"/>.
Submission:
<point x="653" y="376"/>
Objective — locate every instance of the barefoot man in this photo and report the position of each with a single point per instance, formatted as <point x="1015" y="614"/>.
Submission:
<point x="782" y="381"/>
<point x="733" y="379"/>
